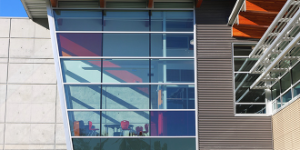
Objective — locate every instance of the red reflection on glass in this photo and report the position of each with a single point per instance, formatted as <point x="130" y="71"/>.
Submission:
<point x="84" y="44"/>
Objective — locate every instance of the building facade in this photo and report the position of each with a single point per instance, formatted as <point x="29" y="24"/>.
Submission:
<point x="153" y="75"/>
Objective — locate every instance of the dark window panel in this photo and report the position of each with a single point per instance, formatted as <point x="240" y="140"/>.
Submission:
<point x="172" y="123"/>
<point x="250" y="109"/>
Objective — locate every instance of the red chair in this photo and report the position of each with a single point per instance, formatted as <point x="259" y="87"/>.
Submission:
<point x="125" y="126"/>
<point x="91" y="130"/>
<point x="146" y="128"/>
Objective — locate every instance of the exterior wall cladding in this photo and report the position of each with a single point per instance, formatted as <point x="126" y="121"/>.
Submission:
<point x="29" y="107"/>
<point x="30" y="116"/>
<point x="218" y="128"/>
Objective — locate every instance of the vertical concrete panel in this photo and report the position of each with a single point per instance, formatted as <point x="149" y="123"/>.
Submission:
<point x="60" y="134"/>
<point x="17" y="134"/>
<point x="21" y="48"/>
<point x="18" y="113"/>
<point x="41" y="32"/>
<point x="3" y="73"/>
<point x="31" y="73"/>
<point x="1" y="134"/>
<point x="2" y="102"/>
<point x="4" y="27"/>
<point x="31" y="94"/>
<point x="4" y="47"/>
<point x="43" y="113"/>
<point x="43" y="48"/>
<point x="22" y="28"/>
<point x="30" y="48"/>
<point x="42" y="133"/>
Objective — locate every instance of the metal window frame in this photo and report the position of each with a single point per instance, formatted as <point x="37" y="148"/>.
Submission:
<point x="61" y="84"/>
<point x="233" y="83"/>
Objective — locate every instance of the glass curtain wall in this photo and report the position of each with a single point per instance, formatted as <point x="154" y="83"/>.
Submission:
<point x="129" y="78"/>
<point x="246" y="101"/>
<point x="287" y="88"/>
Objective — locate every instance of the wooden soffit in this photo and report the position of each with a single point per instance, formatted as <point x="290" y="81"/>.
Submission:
<point x="257" y="16"/>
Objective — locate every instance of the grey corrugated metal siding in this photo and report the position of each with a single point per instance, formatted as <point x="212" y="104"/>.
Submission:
<point x="218" y="128"/>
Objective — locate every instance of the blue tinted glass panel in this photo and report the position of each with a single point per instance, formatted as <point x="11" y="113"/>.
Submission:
<point x="172" y="45"/>
<point x="125" y="71"/>
<point x="172" y="97"/>
<point x="78" y="20"/>
<point x="83" y="96"/>
<point x="122" y="20"/>
<point x="172" y="70"/>
<point x="125" y="123"/>
<point x="172" y="21"/>
<point x="287" y="97"/>
<point x="125" y="97"/>
<point x="296" y="90"/>
<point x="123" y="45"/>
<point x="125" y="144"/>
<point x="84" y="123"/>
<point x="81" y="70"/>
<point x="173" y="143"/>
<point x="79" y="44"/>
<point x="172" y="123"/>
<point x="86" y="144"/>
<point x="148" y="143"/>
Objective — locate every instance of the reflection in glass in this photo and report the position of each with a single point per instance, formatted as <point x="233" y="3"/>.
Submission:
<point x="243" y="50"/>
<point x="243" y="64"/>
<point x="172" y="123"/>
<point x="83" y="96"/>
<point x="239" y="78"/>
<point x="285" y="82"/>
<point x="287" y="97"/>
<point x="297" y="90"/>
<point x="253" y="96"/>
<point x="173" y="144"/>
<point x="125" y="97"/>
<point x="81" y="70"/>
<point x="148" y="143"/>
<point x="251" y="109"/>
<point x="275" y="90"/>
<point x="125" y="123"/>
<point x="86" y="144"/>
<point x="78" y="20"/>
<point x="84" y="123"/>
<point x="296" y="73"/>
<point x="125" y="144"/>
<point x="172" y="70"/>
<point x="172" y="21"/>
<point x="245" y="81"/>
<point x="279" y="104"/>
<point x="125" y="71"/>
<point x="79" y="44"/>
<point x="122" y="20"/>
<point x="172" y="97"/>
<point x="167" y="45"/>
<point x="123" y="45"/>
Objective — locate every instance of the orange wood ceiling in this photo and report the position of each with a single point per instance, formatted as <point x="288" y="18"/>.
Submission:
<point x="257" y="18"/>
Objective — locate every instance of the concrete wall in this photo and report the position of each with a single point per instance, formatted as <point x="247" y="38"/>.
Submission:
<point x="286" y="127"/>
<point x="30" y="115"/>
